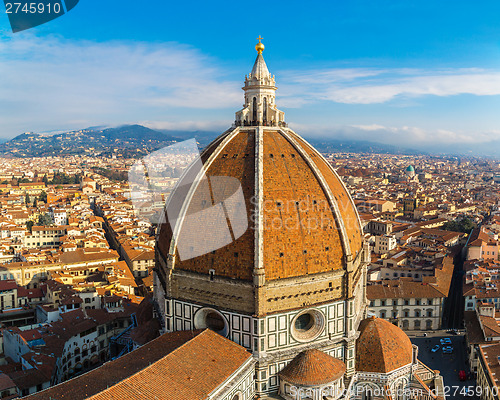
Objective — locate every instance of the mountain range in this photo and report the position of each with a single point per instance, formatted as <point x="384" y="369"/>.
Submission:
<point x="138" y="140"/>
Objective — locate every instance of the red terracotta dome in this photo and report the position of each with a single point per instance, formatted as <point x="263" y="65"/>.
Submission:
<point x="313" y="367"/>
<point x="382" y="347"/>
<point x="309" y="222"/>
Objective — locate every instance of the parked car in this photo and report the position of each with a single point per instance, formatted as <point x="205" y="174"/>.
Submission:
<point x="445" y="340"/>
<point x="462" y="375"/>
<point x="435" y="348"/>
<point x="447" y="350"/>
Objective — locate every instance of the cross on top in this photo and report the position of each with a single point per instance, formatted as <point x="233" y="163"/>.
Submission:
<point x="259" y="39"/>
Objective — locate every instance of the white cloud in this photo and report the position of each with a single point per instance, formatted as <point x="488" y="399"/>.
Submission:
<point x="370" y="86"/>
<point x="404" y="136"/>
<point x="52" y="83"/>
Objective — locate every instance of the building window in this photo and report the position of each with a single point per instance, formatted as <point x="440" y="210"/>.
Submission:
<point x="212" y="319"/>
<point x="307" y="325"/>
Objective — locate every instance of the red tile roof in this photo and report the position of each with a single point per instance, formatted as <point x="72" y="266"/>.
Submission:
<point x="382" y="347"/>
<point x="313" y="367"/>
<point x="193" y="371"/>
<point x="8" y="285"/>
<point x="181" y="365"/>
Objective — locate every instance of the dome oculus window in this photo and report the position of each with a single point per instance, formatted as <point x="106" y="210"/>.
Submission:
<point x="308" y="325"/>
<point x="211" y="319"/>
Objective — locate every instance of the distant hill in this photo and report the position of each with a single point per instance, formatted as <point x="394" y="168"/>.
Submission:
<point x="323" y="144"/>
<point x="127" y="140"/>
<point x="138" y="140"/>
<point x="326" y="145"/>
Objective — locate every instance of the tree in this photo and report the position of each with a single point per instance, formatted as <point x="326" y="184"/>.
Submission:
<point x="29" y="224"/>
<point x="44" y="219"/>
<point x="464" y="225"/>
<point x="35" y="202"/>
<point x="27" y="198"/>
<point x="43" y="196"/>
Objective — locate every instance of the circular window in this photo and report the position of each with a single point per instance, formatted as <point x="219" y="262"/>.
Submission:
<point x="214" y="321"/>
<point x="308" y="325"/>
<point x="304" y="322"/>
<point x="211" y="319"/>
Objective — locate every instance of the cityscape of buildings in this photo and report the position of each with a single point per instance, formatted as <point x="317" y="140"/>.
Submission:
<point x="348" y="266"/>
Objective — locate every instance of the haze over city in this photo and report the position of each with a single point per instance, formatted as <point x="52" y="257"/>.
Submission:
<point x="424" y="75"/>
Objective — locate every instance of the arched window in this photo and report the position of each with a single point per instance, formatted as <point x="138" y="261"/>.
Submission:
<point x="254" y="108"/>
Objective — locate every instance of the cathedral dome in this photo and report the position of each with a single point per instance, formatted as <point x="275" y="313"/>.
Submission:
<point x="382" y="347"/>
<point x="311" y="368"/>
<point x="308" y="221"/>
<point x="264" y="217"/>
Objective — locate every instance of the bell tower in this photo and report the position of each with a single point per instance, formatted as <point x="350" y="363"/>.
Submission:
<point x="260" y="95"/>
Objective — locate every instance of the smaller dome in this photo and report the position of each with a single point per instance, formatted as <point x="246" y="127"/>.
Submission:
<point x="410" y="168"/>
<point x="382" y="347"/>
<point x="313" y="367"/>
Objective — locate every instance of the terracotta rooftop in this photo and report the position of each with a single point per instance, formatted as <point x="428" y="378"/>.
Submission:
<point x="401" y="289"/>
<point x="382" y="347"/>
<point x="474" y="332"/>
<point x="161" y="368"/>
<point x="112" y="372"/>
<point x="490" y="354"/>
<point x="313" y="367"/>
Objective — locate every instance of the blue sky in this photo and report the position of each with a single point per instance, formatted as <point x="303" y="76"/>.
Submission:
<point x="425" y="74"/>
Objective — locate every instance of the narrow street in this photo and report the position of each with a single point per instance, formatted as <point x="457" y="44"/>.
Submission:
<point x="454" y="306"/>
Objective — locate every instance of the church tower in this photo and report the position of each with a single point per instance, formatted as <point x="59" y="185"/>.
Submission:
<point x="289" y="276"/>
